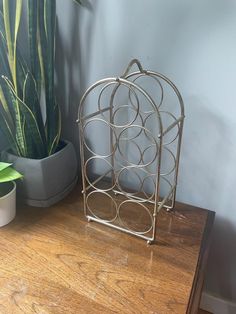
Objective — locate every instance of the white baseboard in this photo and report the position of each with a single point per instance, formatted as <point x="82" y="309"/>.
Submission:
<point x="217" y="305"/>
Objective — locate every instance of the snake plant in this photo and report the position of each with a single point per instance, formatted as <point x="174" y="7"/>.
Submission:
<point x="25" y="86"/>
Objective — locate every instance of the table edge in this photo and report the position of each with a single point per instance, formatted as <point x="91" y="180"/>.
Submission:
<point x="194" y="300"/>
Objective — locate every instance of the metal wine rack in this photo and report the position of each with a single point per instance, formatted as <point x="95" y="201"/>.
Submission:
<point x="130" y="137"/>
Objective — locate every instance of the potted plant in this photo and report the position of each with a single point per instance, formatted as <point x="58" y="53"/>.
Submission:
<point x="7" y="193"/>
<point x="29" y="113"/>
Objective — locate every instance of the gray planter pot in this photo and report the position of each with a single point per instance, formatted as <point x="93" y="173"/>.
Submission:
<point x="46" y="181"/>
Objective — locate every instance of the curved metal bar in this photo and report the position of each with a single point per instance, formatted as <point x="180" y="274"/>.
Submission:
<point x="129" y="123"/>
<point x="130" y="195"/>
<point x="158" y="82"/>
<point x="127" y="226"/>
<point x="148" y="135"/>
<point x="132" y="62"/>
<point x="112" y="200"/>
<point x="174" y="166"/>
<point x="111" y="106"/>
<point x="125" y="82"/>
<point x="168" y="81"/>
<point x="111" y="128"/>
<point x="96" y="181"/>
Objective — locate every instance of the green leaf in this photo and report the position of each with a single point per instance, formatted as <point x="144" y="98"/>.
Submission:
<point x="6" y="105"/>
<point x="33" y="40"/>
<point x="4" y="63"/>
<point x="8" y="132"/>
<point x="47" y="24"/>
<point x="7" y="24"/>
<point x="16" y="29"/>
<point x="2" y="26"/>
<point x="55" y="142"/>
<point x="42" y="42"/>
<point x="21" y="72"/>
<point x="31" y="98"/>
<point x="4" y="165"/>
<point x="31" y="122"/>
<point x="9" y="174"/>
<point x="21" y="66"/>
<point x="18" y="116"/>
<point x="5" y="108"/>
<point x="8" y="32"/>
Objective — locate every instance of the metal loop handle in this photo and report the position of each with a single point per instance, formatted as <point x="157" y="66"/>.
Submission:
<point x="132" y="62"/>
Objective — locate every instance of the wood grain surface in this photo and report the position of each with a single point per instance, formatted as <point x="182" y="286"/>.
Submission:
<point x="53" y="261"/>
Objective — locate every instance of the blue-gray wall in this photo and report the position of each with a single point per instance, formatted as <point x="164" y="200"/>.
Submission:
<point x="193" y="43"/>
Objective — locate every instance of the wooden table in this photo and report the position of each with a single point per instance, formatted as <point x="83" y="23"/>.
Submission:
<point x="53" y="261"/>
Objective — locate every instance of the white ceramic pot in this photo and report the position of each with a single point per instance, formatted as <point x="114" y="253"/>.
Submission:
<point x="8" y="205"/>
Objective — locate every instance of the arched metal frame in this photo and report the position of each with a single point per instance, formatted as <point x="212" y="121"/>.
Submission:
<point x="150" y="203"/>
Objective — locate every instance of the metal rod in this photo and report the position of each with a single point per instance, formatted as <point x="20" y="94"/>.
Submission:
<point x="165" y="199"/>
<point x="142" y="199"/>
<point x="91" y="218"/>
<point x="177" y="160"/>
<point x="82" y="157"/>
<point x="93" y="114"/>
<point x="133" y="197"/>
<point x="171" y="126"/>
<point x="97" y="180"/>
